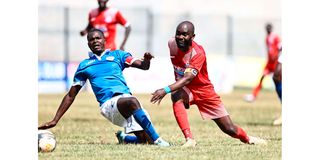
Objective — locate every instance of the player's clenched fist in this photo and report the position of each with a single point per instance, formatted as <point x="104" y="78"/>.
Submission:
<point x="147" y="56"/>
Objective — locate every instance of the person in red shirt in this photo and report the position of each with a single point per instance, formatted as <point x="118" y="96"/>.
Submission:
<point x="106" y="19"/>
<point x="273" y="47"/>
<point x="193" y="86"/>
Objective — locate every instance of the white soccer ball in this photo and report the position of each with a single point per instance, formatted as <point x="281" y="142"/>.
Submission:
<point x="46" y="141"/>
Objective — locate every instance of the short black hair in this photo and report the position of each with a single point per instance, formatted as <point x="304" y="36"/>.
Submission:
<point x="269" y="25"/>
<point x="95" y="30"/>
<point x="188" y="24"/>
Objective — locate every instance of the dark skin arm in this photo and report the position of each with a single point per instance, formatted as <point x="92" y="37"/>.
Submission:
<point x="64" y="106"/>
<point x="85" y="31"/>
<point x="143" y="64"/>
<point x="158" y="95"/>
<point x="126" y="35"/>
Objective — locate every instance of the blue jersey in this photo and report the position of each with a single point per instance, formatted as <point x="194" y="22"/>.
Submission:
<point x="104" y="73"/>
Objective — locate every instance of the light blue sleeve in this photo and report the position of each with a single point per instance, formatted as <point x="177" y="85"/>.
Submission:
<point x="80" y="77"/>
<point x="123" y="55"/>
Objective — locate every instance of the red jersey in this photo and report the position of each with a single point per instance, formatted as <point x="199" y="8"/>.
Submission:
<point x="194" y="58"/>
<point x="273" y="45"/>
<point x="106" y="21"/>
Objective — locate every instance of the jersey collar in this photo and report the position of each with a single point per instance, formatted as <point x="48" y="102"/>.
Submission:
<point x="91" y="55"/>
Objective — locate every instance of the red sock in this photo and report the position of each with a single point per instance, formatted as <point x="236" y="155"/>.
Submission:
<point x="242" y="135"/>
<point x="257" y="89"/>
<point x="182" y="119"/>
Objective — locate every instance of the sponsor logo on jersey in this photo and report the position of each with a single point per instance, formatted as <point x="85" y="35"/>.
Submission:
<point x="90" y="62"/>
<point x="110" y="58"/>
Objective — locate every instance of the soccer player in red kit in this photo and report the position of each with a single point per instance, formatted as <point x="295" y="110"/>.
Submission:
<point x="193" y="86"/>
<point x="273" y="46"/>
<point x="106" y="19"/>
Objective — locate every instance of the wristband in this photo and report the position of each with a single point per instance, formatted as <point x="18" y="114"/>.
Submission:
<point x="167" y="89"/>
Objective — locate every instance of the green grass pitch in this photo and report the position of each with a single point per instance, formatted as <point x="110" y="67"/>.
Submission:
<point x="84" y="134"/>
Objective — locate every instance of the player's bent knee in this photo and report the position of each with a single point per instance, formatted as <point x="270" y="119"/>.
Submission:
<point x="133" y="103"/>
<point x="128" y="105"/>
<point x="276" y="78"/>
<point x="179" y="95"/>
<point x="175" y="97"/>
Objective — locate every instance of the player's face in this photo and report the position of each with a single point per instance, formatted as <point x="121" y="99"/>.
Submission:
<point x="96" y="42"/>
<point x="269" y="29"/>
<point x="183" y="37"/>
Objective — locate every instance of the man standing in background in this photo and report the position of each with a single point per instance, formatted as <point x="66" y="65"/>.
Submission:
<point x="106" y="19"/>
<point x="273" y="47"/>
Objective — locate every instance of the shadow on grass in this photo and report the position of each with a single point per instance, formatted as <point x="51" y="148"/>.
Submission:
<point x="88" y="143"/>
<point x="274" y="139"/>
<point x="260" y="124"/>
<point x="85" y="119"/>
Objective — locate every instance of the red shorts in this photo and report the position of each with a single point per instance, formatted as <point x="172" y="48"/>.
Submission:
<point x="270" y="68"/>
<point x="208" y="103"/>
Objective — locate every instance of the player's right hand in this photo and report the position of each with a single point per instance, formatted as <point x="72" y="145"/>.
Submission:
<point x="147" y="56"/>
<point x="48" y="125"/>
<point x="157" y="96"/>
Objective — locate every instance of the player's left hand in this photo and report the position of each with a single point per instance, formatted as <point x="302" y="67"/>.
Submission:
<point x="157" y="96"/>
<point x="48" y="125"/>
<point x="83" y="32"/>
<point x="147" y="56"/>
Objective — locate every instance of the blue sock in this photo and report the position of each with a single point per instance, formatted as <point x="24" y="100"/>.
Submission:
<point x="279" y="90"/>
<point x="131" y="139"/>
<point x="142" y="119"/>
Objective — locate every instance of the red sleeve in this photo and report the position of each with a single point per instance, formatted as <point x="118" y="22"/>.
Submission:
<point x="172" y="47"/>
<point x="120" y="19"/>
<point x="91" y="13"/>
<point x="278" y="42"/>
<point x="89" y="17"/>
<point x="197" y="61"/>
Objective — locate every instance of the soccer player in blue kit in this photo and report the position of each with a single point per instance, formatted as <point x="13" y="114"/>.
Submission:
<point x="104" y="69"/>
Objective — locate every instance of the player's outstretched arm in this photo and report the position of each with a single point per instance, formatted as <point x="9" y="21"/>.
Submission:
<point x="145" y="63"/>
<point x="64" y="106"/>
<point x="158" y="95"/>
